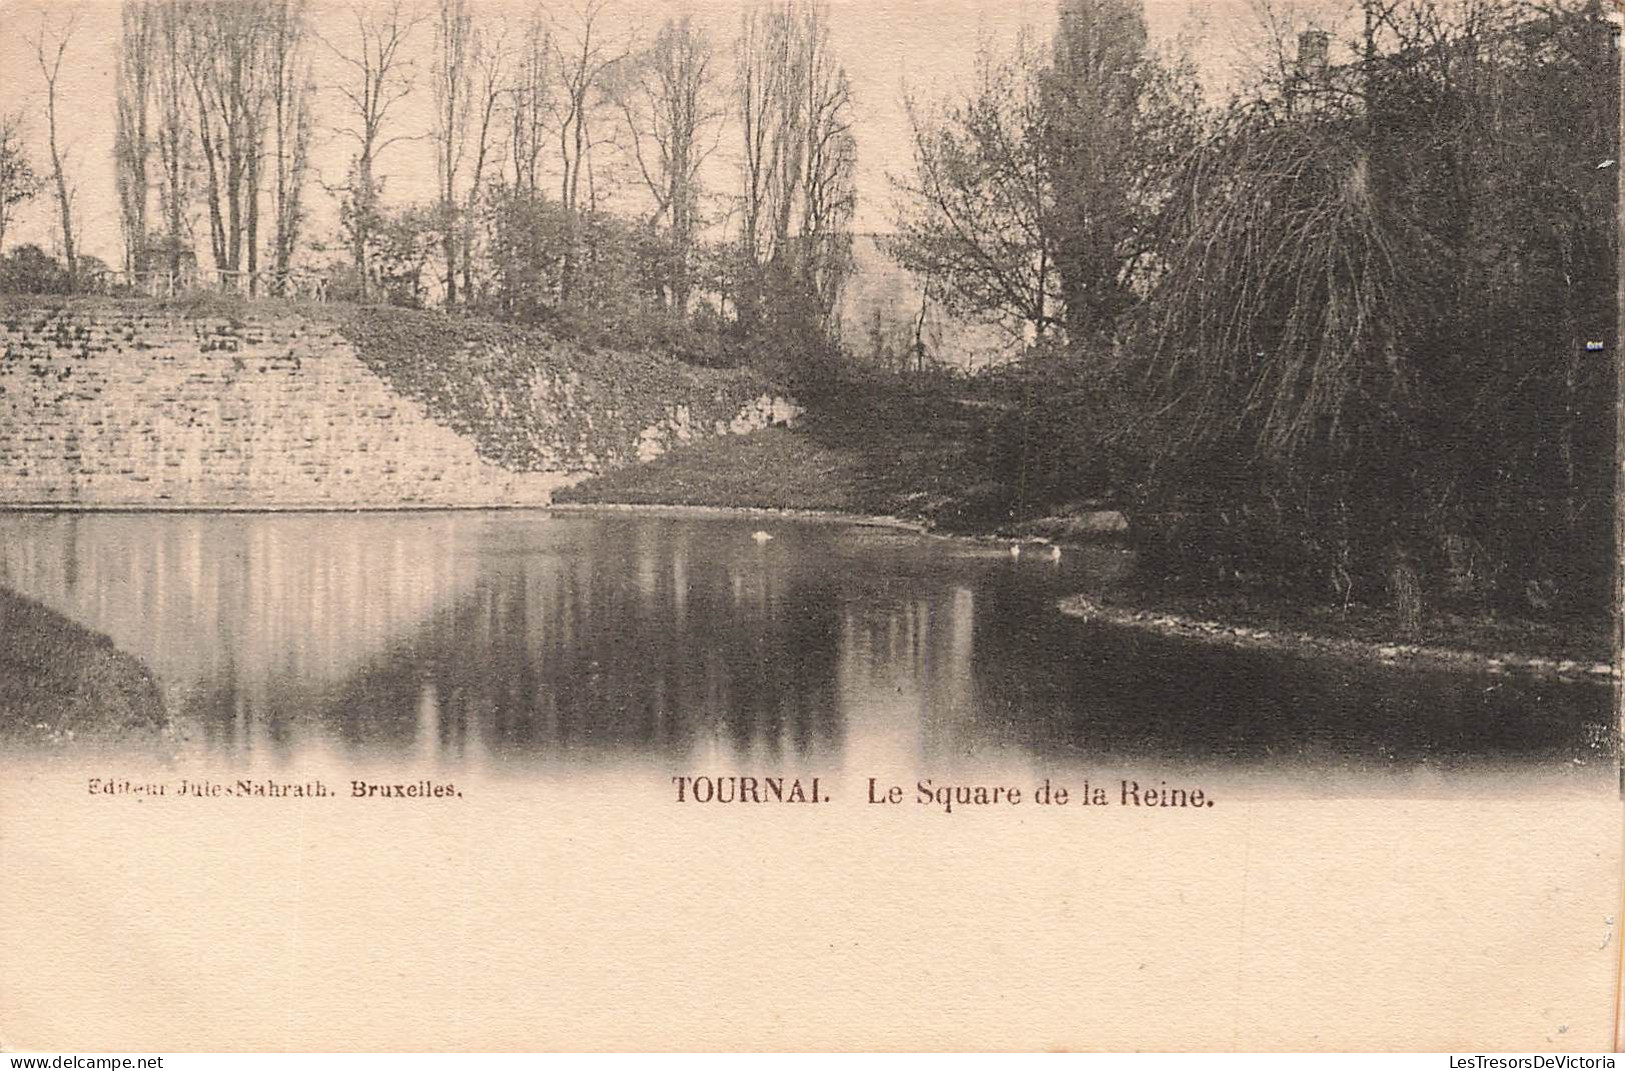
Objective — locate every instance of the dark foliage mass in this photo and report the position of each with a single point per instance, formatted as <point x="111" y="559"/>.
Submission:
<point x="60" y="682"/>
<point x="1353" y="341"/>
<point x="28" y="269"/>
<point x="1366" y="370"/>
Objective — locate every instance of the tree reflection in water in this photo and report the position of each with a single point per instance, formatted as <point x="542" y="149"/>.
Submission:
<point x="479" y="638"/>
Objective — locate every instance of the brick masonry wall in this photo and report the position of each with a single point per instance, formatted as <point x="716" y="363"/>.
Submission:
<point x="107" y="404"/>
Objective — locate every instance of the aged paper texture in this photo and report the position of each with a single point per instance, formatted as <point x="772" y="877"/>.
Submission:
<point x="1076" y="525"/>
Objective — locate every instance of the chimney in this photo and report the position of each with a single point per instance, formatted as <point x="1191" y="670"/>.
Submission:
<point x="1314" y="54"/>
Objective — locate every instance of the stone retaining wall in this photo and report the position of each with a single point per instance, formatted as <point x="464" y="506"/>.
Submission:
<point x="110" y="404"/>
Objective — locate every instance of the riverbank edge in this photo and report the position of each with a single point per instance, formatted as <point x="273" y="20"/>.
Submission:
<point x="1418" y="655"/>
<point x="1079" y="607"/>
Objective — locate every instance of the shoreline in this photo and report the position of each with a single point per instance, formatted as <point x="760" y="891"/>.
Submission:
<point x="861" y="520"/>
<point x="1084" y="608"/>
<point x="1413" y="655"/>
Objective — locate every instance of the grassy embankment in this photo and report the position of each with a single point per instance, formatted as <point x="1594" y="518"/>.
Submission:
<point x="871" y="448"/>
<point x="60" y="681"/>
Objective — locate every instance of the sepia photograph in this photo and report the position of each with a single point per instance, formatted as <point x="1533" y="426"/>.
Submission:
<point x="767" y="525"/>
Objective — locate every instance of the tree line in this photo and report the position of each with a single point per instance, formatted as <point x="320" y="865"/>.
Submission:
<point x="544" y="128"/>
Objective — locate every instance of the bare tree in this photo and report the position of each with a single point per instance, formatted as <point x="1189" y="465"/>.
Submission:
<point x="793" y="101"/>
<point x="380" y="76"/>
<point x="174" y="132"/>
<point x="132" y="138"/>
<point x="18" y="181"/>
<point x="789" y="128"/>
<point x="290" y="92"/>
<point x="489" y="88"/>
<point x="530" y="105"/>
<point x="584" y="57"/>
<point x="453" y="94"/>
<point x="979" y="200"/>
<point x="197" y="61"/>
<point x="226" y="42"/>
<point x="674" y="120"/>
<point x="828" y="196"/>
<point x="245" y="91"/>
<point x="50" y="46"/>
<point x="759" y="80"/>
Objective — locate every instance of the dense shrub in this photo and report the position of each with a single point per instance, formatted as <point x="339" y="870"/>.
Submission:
<point x="28" y="269"/>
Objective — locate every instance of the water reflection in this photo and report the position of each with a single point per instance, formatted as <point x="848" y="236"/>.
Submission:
<point x="525" y="637"/>
<point x="1126" y="696"/>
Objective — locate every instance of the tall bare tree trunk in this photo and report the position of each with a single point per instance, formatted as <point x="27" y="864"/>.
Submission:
<point x="490" y="57"/>
<point x="132" y="139"/>
<point x="226" y="64"/>
<point x="173" y="135"/>
<point x="795" y="109"/>
<point x="669" y="103"/>
<point x="50" y="65"/>
<point x="452" y="93"/>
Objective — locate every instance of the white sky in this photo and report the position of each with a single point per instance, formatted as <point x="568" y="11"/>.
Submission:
<point x="928" y="44"/>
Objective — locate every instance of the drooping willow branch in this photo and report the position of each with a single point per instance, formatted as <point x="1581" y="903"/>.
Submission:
<point x="1281" y="299"/>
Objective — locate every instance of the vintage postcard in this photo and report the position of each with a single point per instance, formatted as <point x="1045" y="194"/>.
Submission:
<point x="810" y="524"/>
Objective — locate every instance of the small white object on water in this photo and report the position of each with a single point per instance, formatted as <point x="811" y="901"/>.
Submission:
<point x="761" y="536"/>
<point x="1015" y="550"/>
<point x="1054" y="554"/>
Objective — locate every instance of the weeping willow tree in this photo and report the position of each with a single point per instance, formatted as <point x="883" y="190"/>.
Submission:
<point x="1362" y="369"/>
<point x="1276" y="314"/>
<point x="1271" y="351"/>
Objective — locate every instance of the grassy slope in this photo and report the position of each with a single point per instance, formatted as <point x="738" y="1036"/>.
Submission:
<point x="869" y="449"/>
<point x="58" y="678"/>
